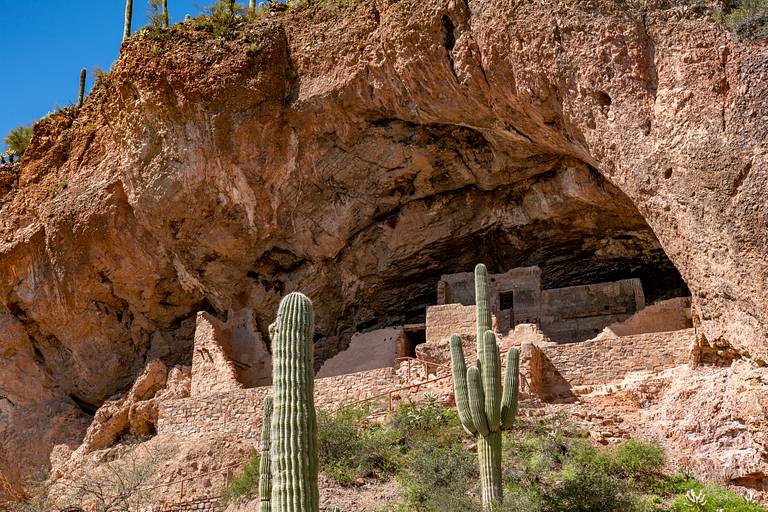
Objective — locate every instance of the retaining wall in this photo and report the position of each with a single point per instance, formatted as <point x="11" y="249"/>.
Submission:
<point x="239" y="412"/>
<point x="556" y="369"/>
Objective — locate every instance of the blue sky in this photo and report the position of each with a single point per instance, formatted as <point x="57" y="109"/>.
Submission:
<point x="45" y="43"/>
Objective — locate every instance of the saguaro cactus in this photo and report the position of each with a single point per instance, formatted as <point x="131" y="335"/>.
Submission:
<point x="81" y="93"/>
<point x="252" y="7"/>
<point x="484" y="408"/>
<point x="265" y="476"/>
<point x="166" y="19"/>
<point x="294" y="458"/>
<point x="128" y="16"/>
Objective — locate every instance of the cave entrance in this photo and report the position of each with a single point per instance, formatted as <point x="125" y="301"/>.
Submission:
<point x="568" y="221"/>
<point x="413" y="335"/>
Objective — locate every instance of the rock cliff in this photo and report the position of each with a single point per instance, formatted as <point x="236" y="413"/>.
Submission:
<point x="356" y="152"/>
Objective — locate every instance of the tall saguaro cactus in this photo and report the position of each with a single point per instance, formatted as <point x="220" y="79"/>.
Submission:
<point x="166" y="18"/>
<point x="265" y="477"/>
<point x="485" y="407"/>
<point x="81" y="92"/>
<point x="252" y="7"/>
<point x="294" y="457"/>
<point x="128" y="16"/>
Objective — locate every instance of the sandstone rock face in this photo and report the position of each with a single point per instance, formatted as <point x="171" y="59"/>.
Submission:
<point x="713" y="419"/>
<point x="135" y="413"/>
<point x="359" y="153"/>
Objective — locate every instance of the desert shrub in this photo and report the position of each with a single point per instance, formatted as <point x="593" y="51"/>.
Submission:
<point x="587" y="488"/>
<point x="749" y="20"/>
<point x="715" y="498"/>
<point x="18" y="139"/>
<point x="415" y="420"/>
<point x="155" y="14"/>
<point x="436" y="477"/>
<point x="246" y="485"/>
<point x="604" y="479"/>
<point x="351" y="448"/>
<point x="221" y="20"/>
<point x="641" y="461"/>
<point x="552" y="467"/>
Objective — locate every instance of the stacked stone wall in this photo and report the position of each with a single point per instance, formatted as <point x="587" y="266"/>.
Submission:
<point x="556" y="368"/>
<point x="579" y="313"/>
<point x="239" y="412"/>
<point x="668" y="315"/>
<point x="198" y="505"/>
<point x="367" y="351"/>
<point x="447" y="319"/>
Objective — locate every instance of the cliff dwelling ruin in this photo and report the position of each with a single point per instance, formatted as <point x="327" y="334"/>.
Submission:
<point x="232" y="355"/>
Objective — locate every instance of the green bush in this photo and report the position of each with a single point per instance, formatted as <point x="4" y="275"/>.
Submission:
<point x="247" y="484"/>
<point x="351" y="449"/>
<point x="436" y="478"/>
<point x="414" y="421"/>
<point x="749" y="20"/>
<point x="716" y="498"/>
<point x="589" y="489"/>
<point x="221" y="20"/>
<point x="552" y="467"/>
<point x="18" y="139"/>
<point x="640" y="461"/>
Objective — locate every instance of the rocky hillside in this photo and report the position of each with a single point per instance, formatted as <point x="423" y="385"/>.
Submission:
<point x="356" y="151"/>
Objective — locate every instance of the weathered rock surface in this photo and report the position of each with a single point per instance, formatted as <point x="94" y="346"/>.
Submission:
<point x="357" y="153"/>
<point x="716" y="421"/>
<point x="135" y="414"/>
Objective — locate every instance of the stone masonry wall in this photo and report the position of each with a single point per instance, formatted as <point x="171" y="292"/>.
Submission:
<point x="447" y="319"/>
<point x="557" y="368"/>
<point x="212" y="368"/>
<point x="199" y="505"/>
<point x="368" y="350"/>
<point x="239" y="412"/>
<point x="577" y="313"/>
<point x="668" y="315"/>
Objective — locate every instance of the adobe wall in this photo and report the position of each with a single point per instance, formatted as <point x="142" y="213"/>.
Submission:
<point x="212" y="369"/>
<point x="668" y="315"/>
<point x="369" y="350"/>
<point x="447" y="319"/>
<point x="248" y="351"/>
<point x="557" y="368"/>
<point x="567" y="314"/>
<point x="523" y="282"/>
<point x="238" y="412"/>
<point x="577" y="313"/>
<point x="201" y="504"/>
<point x="229" y="355"/>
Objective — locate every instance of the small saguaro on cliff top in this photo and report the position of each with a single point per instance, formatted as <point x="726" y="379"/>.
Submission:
<point x="128" y="16"/>
<point x="293" y="433"/>
<point x="484" y="410"/>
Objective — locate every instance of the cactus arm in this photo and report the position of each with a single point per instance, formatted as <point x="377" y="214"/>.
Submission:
<point x="511" y="389"/>
<point x="265" y="477"/>
<point x="128" y="16"/>
<point x="477" y="401"/>
<point x="491" y="376"/>
<point x="459" y="370"/>
<point x="293" y="454"/>
<point x="483" y="308"/>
